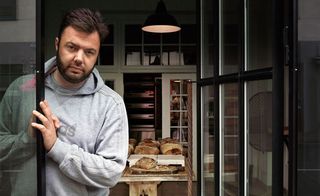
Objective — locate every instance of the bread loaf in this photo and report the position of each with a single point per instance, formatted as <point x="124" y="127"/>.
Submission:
<point x="149" y="142"/>
<point x="130" y="149"/>
<point x="171" y="148"/>
<point x="168" y="140"/>
<point x="146" y="163"/>
<point x="133" y="142"/>
<point x="146" y="150"/>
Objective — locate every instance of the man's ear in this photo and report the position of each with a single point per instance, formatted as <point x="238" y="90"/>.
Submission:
<point x="56" y="43"/>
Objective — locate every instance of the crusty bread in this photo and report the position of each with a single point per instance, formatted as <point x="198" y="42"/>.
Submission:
<point x="168" y="140"/>
<point x="171" y="148"/>
<point x="149" y="142"/>
<point x="146" y="163"/>
<point x="146" y="150"/>
<point x="130" y="149"/>
<point x="133" y="142"/>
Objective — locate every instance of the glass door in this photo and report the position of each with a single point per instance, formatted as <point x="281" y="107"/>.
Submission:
<point x="304" y="105"/>
<point x="18" y="143"/>
<point x="241" y="93"/>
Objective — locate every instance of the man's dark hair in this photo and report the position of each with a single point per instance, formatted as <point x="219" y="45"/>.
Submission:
<point x="84" y="20"/>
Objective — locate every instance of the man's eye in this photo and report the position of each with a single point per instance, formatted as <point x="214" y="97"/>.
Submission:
<point x="71" y="47"/>
<point x="90" y="53"/>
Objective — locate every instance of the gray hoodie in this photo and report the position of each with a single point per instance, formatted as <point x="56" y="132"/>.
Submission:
<point x="91" y="150"/>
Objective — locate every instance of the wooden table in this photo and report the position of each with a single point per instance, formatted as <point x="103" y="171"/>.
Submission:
<point x="147" y="184"/>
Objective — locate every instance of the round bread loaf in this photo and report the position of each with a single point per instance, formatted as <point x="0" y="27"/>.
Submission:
<point x="146" y="150"/>
<point x="168" y="140"/>
<point x="171" y="148"/>
<point x="146" y="163"/>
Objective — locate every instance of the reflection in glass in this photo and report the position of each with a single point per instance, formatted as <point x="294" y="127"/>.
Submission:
<point x="259" y="36"/>
<point x="208" y="45"/>
<point x="230" y="139"/>
<point x="18" y="163"/>
<point x="232" y="24"/>
<point x="259" y="146"/>
<point x="207" y="122"/>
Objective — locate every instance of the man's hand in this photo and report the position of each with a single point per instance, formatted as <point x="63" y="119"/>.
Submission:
<point x="49" y="125"/>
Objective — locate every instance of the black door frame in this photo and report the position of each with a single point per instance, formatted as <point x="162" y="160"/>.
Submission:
<point x="41" y="172"/>
<point x="292" y="23"/>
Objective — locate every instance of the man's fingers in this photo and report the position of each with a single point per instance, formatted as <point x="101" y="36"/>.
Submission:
<point x="55" y="121"/>
<point x="46" y="109"/>
<point x="40" y="127"/>
<point x="41" y="117"/>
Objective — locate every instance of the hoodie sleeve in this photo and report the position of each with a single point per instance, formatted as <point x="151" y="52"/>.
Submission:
<point x="16" y="145"/>
<point x="104" y="167"/>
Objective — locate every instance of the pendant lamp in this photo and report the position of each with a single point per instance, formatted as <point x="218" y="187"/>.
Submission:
<point x="161" y="21"/>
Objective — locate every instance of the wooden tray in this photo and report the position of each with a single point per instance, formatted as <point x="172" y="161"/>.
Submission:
<point x="161" y="159"/>
<point x="160" y="169"/>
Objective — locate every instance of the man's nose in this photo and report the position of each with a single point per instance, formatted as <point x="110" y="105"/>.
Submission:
<point x="79" y="57"/>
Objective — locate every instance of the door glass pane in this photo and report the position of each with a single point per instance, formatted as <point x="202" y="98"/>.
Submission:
<point x="259" y="145"/>
<point x="308" y="106"/>
<point x="17" y="64"/>
<point x="231" y="35"/>
<point x="259" y="34"/>
<point x="207" y="123"/>
<point x="230" y="139"/>
<point x="207" y="44"/>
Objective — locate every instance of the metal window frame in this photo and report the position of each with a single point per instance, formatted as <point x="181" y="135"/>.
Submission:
<point x="275" y="73"/>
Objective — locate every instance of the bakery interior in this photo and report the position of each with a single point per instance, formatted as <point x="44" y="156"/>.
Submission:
<point x="151" y="71"/>
<point x="156" y="74"/>
<point x="200" y="123"/>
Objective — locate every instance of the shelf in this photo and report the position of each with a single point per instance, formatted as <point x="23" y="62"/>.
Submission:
<point x="140" y="105"/>
<point x="141" y="116"/>
<point x="140" y="84"/>
<point x="142" y="129"/>
<point x="140" y="94"/>
<point x="174" y="49"/>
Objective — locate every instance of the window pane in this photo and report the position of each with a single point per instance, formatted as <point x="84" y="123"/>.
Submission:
<point x="259" y="146"/>
<point x="231" y="36"/>
<point x="18" y="161"/>
<point x="260" y="38"/>
<point x="110" y="38"/>
<point x="230" y="139"/>
<point x="207" y="122"/>
<point x="133" y="34"/>
<point x="209" y="46"/>
<point x="106" y="55"/>
<point x="179" y="109"/>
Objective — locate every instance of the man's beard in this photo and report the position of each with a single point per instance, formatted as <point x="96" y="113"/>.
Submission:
<point x="63" y="71"/>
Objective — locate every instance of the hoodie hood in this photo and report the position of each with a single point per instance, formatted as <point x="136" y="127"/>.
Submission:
<point x="93" y="83"/>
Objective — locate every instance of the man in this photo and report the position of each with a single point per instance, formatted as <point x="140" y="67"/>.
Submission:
<point x="84" y="123"/>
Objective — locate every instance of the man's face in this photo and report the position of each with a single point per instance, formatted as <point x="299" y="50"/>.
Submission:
<point x="77" y="53"/>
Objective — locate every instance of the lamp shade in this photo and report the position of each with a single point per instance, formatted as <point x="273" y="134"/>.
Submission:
<point x="161" y="21"/>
